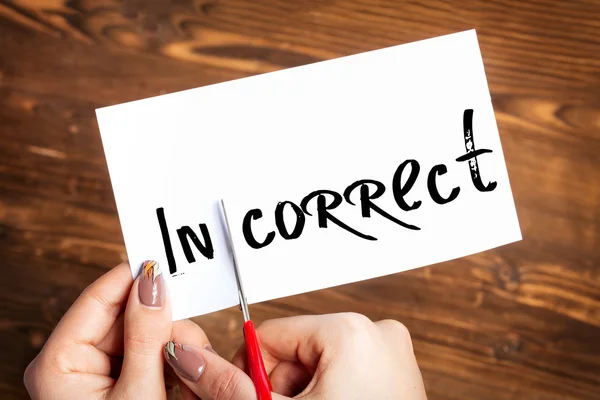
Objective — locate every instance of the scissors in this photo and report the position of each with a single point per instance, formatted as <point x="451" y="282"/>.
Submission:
<point x="256" y="366"/>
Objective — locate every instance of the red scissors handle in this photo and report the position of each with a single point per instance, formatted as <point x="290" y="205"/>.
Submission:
<point x="256" y="366"/>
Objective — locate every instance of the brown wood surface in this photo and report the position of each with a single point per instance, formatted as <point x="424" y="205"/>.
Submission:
<point x="518" y="322"/>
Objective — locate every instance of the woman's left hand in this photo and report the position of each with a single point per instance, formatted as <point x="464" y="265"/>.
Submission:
<point x="109" y="344"/>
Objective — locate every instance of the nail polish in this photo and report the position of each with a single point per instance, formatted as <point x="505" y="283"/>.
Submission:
<point x="152" y="285"/>
<point x="184" y="360"/>
<point x="209" y="348"/>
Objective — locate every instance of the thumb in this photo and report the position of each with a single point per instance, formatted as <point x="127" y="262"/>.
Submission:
<point x="217" y="379"/>
<point x="147" y="328"/>
<point x="202" y="370"/>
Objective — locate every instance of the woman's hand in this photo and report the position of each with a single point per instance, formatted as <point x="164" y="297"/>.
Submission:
<point x="109" y="343"/>
<point x="337" y="356"/>
<point x="97" y="351"/>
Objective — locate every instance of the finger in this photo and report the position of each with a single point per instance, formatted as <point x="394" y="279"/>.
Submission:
<point x="186" y="392"/>
<point x="239" y="360"/>
<point x="300" y="338"/>
<point x="395" y="332"/>
<point x="104" y="300"/>
<point x="83" y="358"/>
<point x="147" y="328"/>
<point x="176" y="389"/>
<point x="270" y="361"/>
<point x="112" y="344"/>
<point x="192" y="334"/>
<point x="289" y="378"/>
<point x="208" y="375"/>
<point x="171" y="378"/>
<point x="188" y="331"/>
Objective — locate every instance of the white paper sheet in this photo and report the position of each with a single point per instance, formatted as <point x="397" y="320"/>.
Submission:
<point x="278" y="137"/>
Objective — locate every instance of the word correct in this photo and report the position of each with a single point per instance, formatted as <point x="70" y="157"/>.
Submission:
<point x="326" y="201"/>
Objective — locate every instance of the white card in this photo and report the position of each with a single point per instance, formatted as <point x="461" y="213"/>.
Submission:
<point x="287" y="136"/>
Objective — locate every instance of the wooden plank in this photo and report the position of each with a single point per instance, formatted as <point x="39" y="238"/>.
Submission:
<point x="519" y="322"/>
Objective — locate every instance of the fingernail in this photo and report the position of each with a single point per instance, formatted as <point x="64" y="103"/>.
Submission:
<point x="209" y="348"/>
<point x="152" y="285"/>
<point x="184" y="360"/>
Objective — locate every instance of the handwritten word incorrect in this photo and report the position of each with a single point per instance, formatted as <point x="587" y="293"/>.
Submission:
<point x="329" y="200"/>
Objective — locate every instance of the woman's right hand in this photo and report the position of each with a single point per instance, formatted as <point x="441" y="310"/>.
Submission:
<point x="335" y="356"/>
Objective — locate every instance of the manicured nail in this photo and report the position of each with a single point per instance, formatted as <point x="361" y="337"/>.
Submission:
<point x="152" y="285"/>
<point x="184" y="360"/>
<point x="209" y="348"/>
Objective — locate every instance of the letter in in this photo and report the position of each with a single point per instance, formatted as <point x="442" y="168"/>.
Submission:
<point x="164" y="231"/>
<point x="186" y="233"/>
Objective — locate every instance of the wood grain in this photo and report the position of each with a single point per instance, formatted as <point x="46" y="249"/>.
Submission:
<point x="518" y="322"/>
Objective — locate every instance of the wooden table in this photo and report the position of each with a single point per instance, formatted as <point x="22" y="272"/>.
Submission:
<point x="518" y="322"/>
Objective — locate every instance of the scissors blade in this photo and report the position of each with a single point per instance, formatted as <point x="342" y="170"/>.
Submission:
<point x="238" y="277"/>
